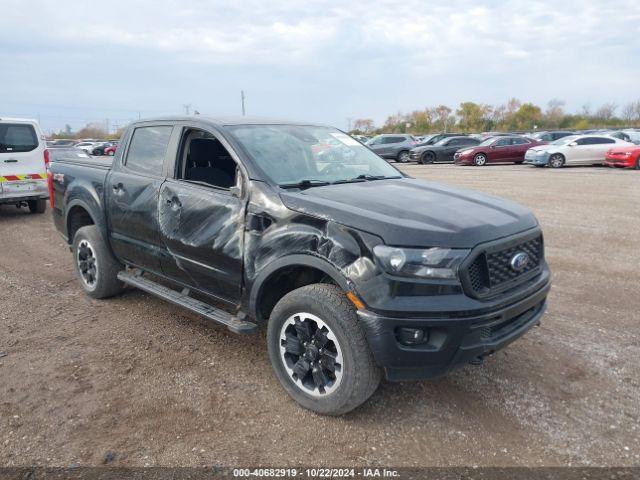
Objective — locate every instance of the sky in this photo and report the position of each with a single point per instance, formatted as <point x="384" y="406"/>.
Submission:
<point x="75" y="62"/>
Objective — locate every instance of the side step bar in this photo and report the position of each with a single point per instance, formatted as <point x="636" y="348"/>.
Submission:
<point x="235" y="323"/>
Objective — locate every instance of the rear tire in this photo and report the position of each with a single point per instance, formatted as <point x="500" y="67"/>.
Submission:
<point x="638" y="163"/>
<point x="37" y="206"/>
<point x="95" y="265"/>
<point x="294" y="324"/>
<point x="556" y="160"/>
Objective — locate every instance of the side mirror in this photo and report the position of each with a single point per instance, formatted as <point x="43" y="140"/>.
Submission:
<point x="573" y="144"/>
<point x="492" y="147"/>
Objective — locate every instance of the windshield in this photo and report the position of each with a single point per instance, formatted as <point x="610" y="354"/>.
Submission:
<point x="564" y="140"/>
<point x="291" y="154"/>
<point x="487" y="142"/>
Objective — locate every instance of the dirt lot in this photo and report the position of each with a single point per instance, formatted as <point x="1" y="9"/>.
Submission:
<point x="153" y="385"/>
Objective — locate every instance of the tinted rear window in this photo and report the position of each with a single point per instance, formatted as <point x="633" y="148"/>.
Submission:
<point x="17" y="137"/>
<point x="147" y="149"/>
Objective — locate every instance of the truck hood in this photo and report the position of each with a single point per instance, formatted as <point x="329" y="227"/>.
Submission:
<point x="414" y="213"/>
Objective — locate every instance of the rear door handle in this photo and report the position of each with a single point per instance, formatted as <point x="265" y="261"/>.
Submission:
<point x="11" y="160"/>
<point x="118" y="187"/>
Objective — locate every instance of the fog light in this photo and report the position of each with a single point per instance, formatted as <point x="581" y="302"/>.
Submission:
<point x="411" y="336"/>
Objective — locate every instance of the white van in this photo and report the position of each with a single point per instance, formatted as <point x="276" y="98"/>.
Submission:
<point x="23" y="164"/>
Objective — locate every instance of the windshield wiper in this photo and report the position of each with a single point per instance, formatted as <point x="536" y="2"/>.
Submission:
<point x="366" y="176"/>
<point x="304" y="184"/>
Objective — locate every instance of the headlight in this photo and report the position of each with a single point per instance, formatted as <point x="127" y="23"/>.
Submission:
<point x="540" y="152"/>
<point x="440" y="263"/>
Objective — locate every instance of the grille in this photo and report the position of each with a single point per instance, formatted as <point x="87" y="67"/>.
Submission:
<point x="492" y="269"/>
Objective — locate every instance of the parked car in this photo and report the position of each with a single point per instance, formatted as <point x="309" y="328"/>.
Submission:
<point x="621" y="135"/>
<point x="624" y="157"/>
<point x="550" y="136"/>
<point x="61" y="143"/>
<point x="574" y="150"/>
<point x="443" y="150"/>
<point x="634" y="135"/>
<point x="433" y="139"/>
<point x="111" y="150"/>
<point x="86" y="146"/>
<point x="395" y="146"/>
<point x="502" y="149"/>
<point x="23" y="161"/>
<point x="337" y="259"/>
<point x="99" y="148"/>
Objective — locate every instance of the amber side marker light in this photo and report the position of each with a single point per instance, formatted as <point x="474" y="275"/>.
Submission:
<point x="355" y="300"/>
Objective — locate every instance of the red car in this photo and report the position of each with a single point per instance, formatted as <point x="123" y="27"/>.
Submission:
<point x="624" y="157"/>
<point x="510" y="149"/>
<point x="111" y="151"/>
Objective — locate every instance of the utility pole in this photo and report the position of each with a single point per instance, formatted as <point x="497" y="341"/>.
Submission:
<point x="349" y="119"/>
<point x="187" y="108"/>
<point x="242" y="97"/>
<point x="107" y="126"/>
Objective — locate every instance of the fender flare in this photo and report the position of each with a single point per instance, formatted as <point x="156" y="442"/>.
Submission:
<point x="98" y="221"/>
<point x="304" y="260"/>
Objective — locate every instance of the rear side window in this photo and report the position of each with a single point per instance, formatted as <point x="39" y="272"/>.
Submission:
<point x="147" y="149"/>
<point x="17" y="137"/>
<point x="600" y="140"/>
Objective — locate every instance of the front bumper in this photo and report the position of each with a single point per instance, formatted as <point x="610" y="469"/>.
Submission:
<point x="463" y="160"/>
<point x="628" y="162"/>
<point x="452" y="341"/>
<point x="536" y="159"/>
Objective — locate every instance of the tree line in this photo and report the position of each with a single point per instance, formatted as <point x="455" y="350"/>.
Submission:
<point x="512" y="116"/>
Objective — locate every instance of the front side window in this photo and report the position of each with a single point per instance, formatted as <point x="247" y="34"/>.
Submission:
<point x="17" y="137"/>
<point x="503" y="142"/>
<point x="294" y="153"/>
<point x="147" y="149"/>
<point x="204" y="160"/>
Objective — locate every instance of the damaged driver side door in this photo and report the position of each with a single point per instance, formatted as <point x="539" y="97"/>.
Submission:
<point x="201" y="217"/>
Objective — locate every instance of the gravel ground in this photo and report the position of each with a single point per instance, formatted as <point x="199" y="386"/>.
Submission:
<point x="135" y="381"/>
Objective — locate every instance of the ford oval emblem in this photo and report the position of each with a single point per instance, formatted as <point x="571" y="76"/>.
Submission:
<point x="519" y="262"/>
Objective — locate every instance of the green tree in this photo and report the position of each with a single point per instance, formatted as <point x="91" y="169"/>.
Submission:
<point x="527" y="116"/>
<point x="473" y="117"/>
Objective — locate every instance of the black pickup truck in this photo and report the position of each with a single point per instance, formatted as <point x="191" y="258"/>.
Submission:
<point x="356" y="269"/>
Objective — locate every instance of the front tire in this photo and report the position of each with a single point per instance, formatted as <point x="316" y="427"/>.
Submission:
<point x="556" y="160"/>
<point x="480" y="160"/>
<point x="319" y="351"/>
<point x="95" y="265"/>
<point x="404" y="157"/>
<point x="37" y="206"/>
<point x="428" y="157"/>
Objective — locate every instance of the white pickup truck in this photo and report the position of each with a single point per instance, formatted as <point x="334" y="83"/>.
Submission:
<point x="23" y="161"/>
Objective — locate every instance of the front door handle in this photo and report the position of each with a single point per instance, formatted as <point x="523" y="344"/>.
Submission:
<point x="117" y="187"/>
<point x="174" y="203"/>
<point x="11" y="160"/>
